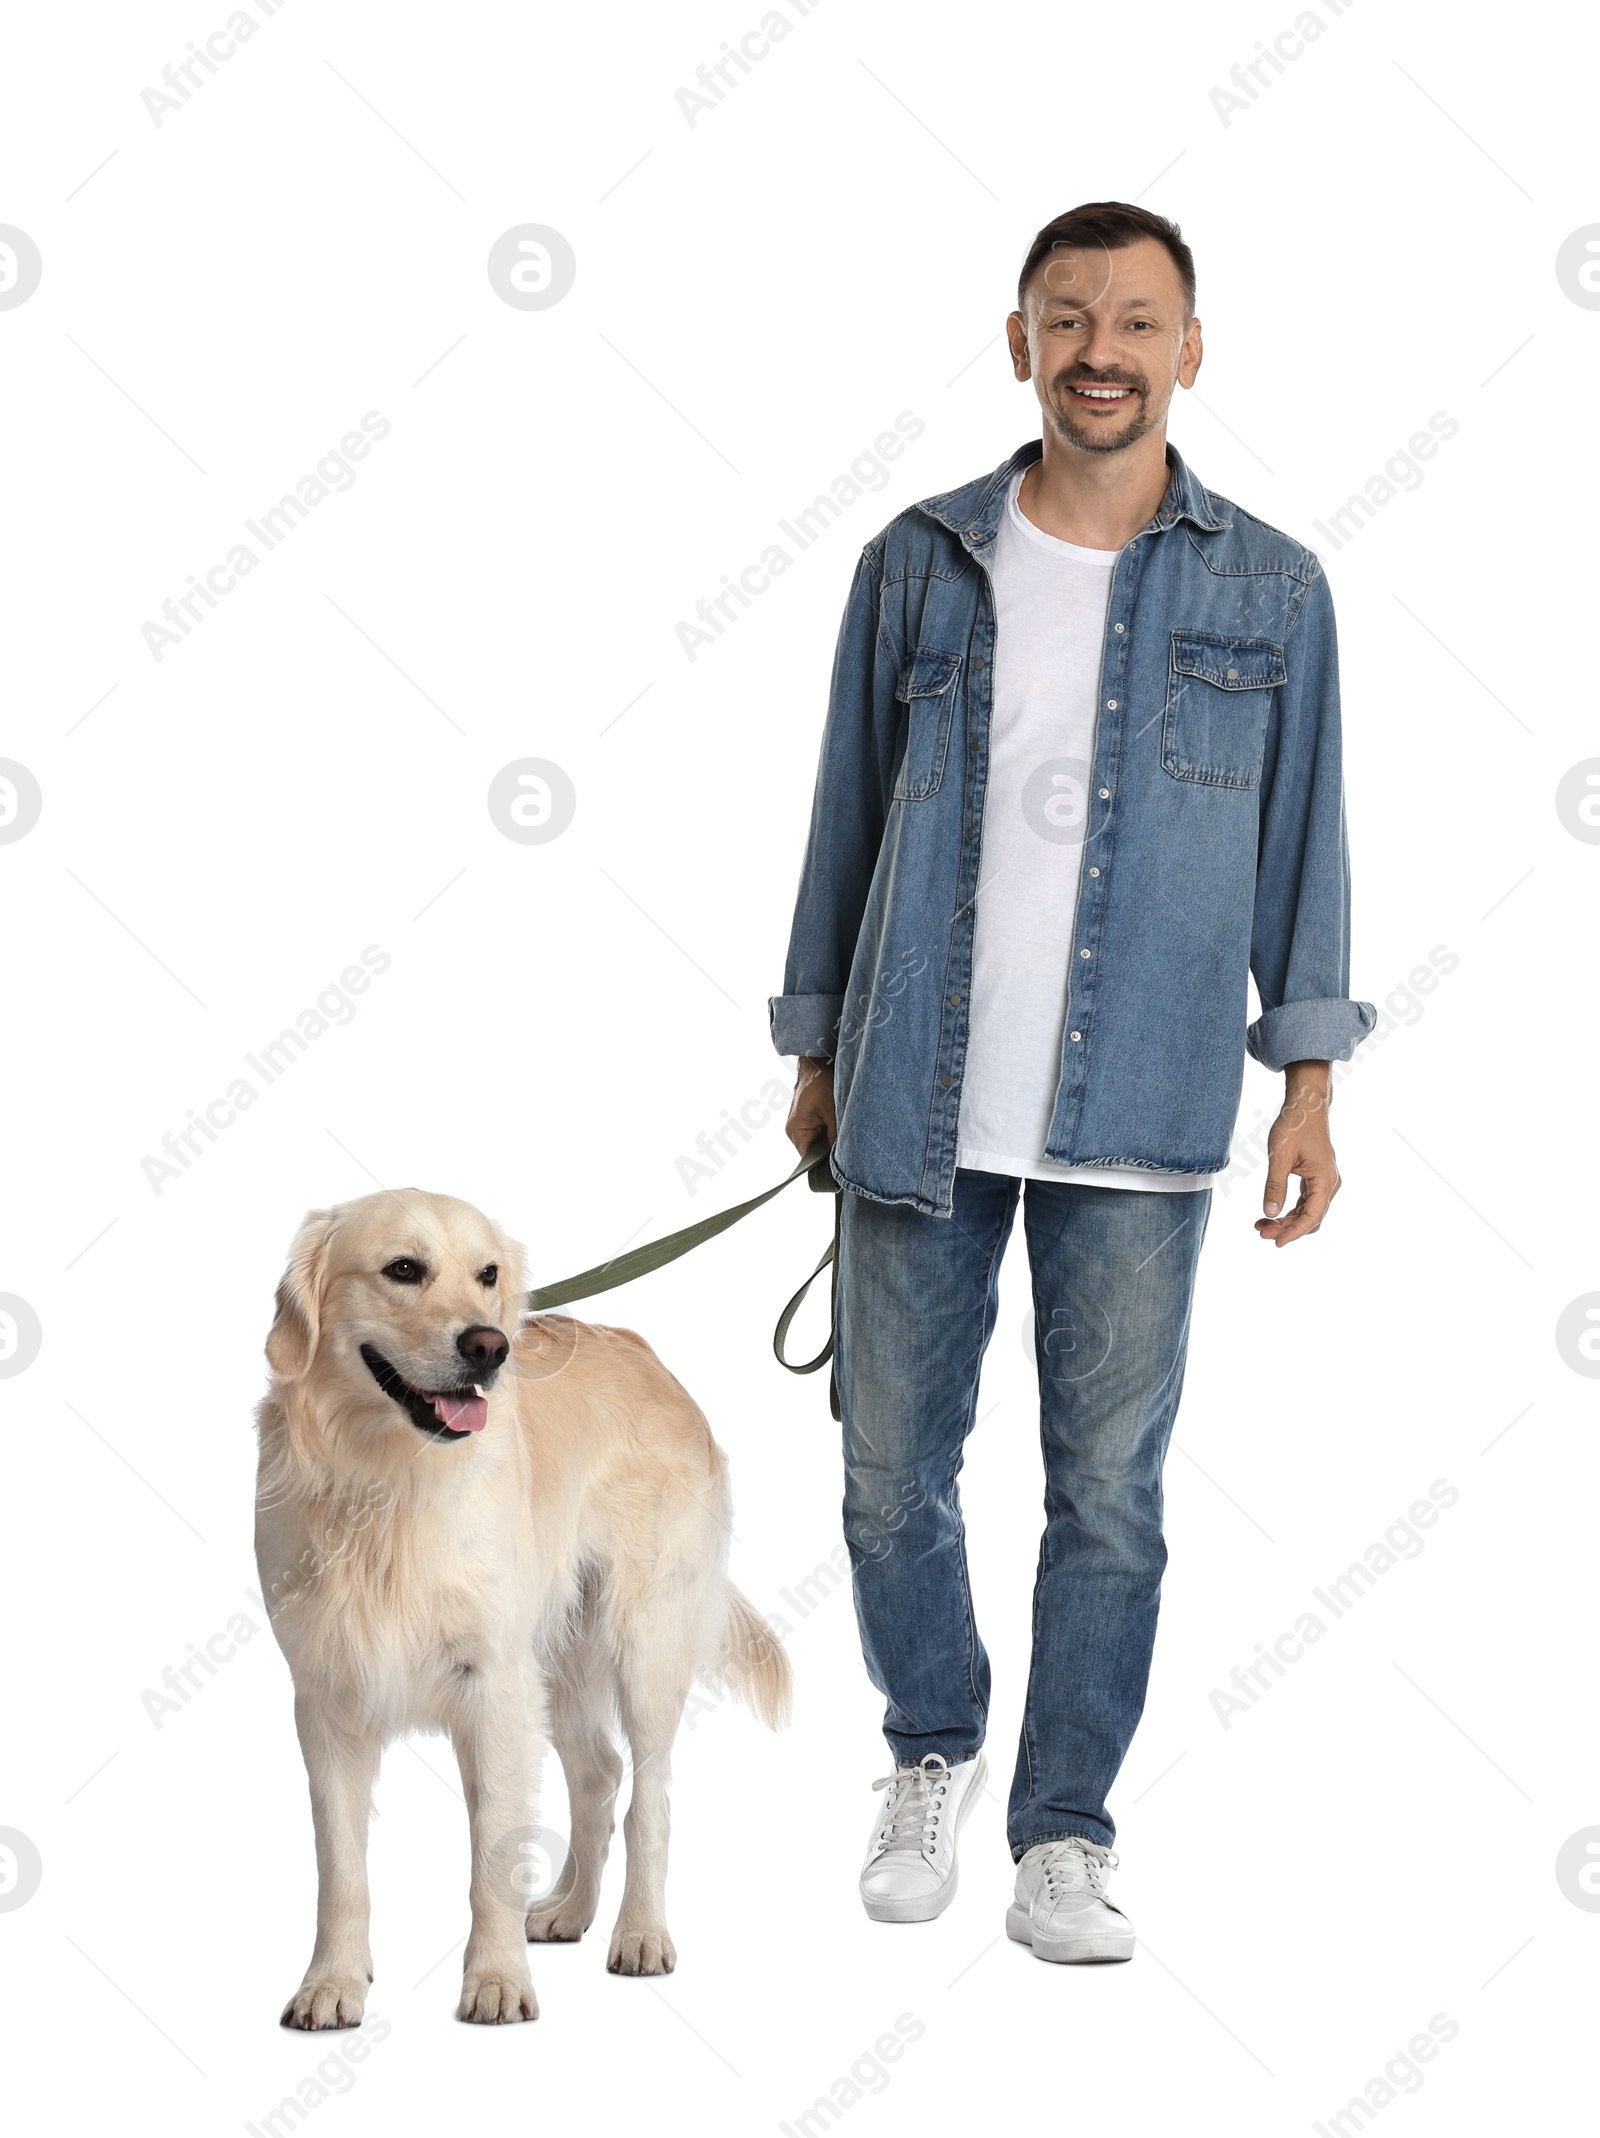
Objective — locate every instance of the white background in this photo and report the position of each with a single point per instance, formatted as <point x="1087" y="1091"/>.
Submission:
<point x="757" y="297"/>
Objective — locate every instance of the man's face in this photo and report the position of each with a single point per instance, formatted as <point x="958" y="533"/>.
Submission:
<point x="1105" y="337"/>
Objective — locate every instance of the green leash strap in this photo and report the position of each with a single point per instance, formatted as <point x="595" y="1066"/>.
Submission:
<point x="781" y="1332"/>
<point x="623" y="1269"/>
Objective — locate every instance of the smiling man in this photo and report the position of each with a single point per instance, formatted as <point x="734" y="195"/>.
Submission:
<point x="1080" y="781"/>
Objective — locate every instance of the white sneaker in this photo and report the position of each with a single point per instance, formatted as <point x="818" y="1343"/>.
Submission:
<point x="910" y="1872"/>
<point x="1062" y="1909"/>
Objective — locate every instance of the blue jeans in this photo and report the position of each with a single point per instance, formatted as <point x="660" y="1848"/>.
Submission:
<point x="1113" y="1276"/>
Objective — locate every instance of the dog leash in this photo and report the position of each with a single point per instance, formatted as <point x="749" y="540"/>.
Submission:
<point x="656" y="1254"/>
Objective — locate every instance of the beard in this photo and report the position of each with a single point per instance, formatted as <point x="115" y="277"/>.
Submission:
<point x="1093" y="438"/>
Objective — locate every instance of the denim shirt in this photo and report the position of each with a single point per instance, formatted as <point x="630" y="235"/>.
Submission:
<point x="1215" y="846"/>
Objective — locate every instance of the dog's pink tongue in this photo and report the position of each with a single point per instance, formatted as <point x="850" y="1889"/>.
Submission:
<point x="462" y="1414"/>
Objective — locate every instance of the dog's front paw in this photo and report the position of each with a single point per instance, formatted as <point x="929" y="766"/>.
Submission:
<point x="497" y="1996"/>
<point x="647" y="1951"/>
<point x="327" y="1999"/>
<point x="558" y="1922"/>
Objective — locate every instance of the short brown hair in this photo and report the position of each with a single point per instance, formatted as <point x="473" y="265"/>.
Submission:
<point x="1111" y="224"/>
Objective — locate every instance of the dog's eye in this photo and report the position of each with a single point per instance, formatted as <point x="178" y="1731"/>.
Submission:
<point x="404" y="1271"/>
<point x="489" y="1275"/>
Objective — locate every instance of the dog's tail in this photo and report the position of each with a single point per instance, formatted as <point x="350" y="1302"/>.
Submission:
<point x="753" y="1663"/>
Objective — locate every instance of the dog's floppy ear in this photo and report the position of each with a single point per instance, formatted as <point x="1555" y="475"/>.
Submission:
<point x="513" y="1272"/>
<point x="292" y="1339"/>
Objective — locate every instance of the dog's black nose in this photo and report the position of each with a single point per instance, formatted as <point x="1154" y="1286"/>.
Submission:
<point x="483" y="1348"/>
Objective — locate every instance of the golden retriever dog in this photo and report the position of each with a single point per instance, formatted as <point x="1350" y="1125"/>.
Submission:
<point x="497" y="1526"/>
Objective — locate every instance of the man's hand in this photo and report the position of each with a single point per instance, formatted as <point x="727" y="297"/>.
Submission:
<point x="1299" y="1144"/>
<point x="811" y="1109"/>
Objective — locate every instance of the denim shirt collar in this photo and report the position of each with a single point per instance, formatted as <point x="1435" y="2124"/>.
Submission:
<point x="972" y="513"/>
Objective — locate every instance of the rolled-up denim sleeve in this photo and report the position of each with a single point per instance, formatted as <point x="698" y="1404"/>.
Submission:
<point x="1300" y="943"/>
<point x="848" y="814"/>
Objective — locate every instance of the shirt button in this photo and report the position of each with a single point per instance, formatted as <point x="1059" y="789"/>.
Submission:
<point x="1111" y="705"/>
<point x="955" y="1002"/>
<point x="945" y="1081"/>
<point x="1083" y="953"/>
<point x="1115" y="627"/>
<point x="1077" y="1036"/>
<point x="1094" y="872"/>
<point x="1105" y="794"/>
<point x="1233" y="675"/>
<point x="978" y="663"/>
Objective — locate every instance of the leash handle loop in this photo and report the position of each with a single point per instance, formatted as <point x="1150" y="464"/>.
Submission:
<point x="780" y="1333"/>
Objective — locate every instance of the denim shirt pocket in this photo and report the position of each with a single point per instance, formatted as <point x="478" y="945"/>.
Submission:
<point x="927" y="689"/>
<point x="1219" y="696"/>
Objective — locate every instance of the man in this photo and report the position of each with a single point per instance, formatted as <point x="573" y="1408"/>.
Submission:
<point x="1080" y="779"/>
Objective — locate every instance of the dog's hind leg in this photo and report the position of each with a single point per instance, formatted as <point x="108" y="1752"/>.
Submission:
<point x="578" y="1689"/>
<point x="658" y="1640"/>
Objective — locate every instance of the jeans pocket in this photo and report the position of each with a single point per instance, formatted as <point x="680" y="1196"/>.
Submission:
<point x="927" y="688"/>
<point x="1219" y="697"/>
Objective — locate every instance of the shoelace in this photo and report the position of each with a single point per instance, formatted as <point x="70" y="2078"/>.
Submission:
<point x="915" y="1805"/>
<point x="1076" y="1865"/>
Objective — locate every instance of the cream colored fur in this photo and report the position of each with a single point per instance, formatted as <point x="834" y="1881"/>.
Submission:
<point x="561" y="1572"/>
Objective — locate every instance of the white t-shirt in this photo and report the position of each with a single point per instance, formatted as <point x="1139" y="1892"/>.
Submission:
<point x="1050" y="619"/>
